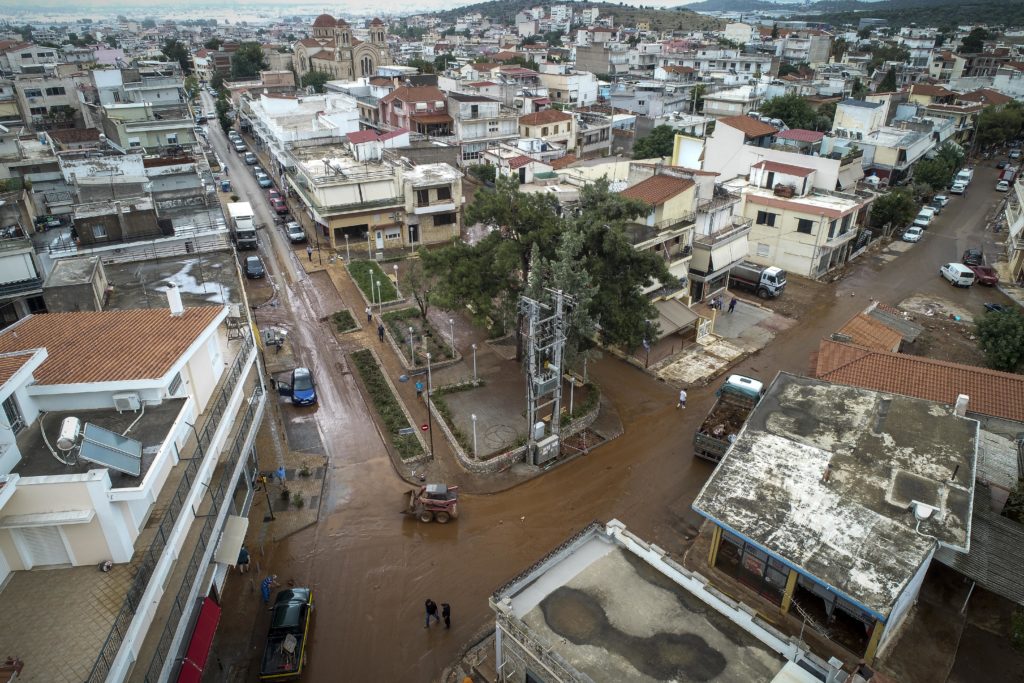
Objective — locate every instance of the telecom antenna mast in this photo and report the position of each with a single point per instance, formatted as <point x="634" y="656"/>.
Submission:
<point x="545" y="345"/>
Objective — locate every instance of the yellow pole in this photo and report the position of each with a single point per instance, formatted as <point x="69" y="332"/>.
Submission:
<point x="876" y="635"/>
<point x="787" y="597"/>
<point x="716" y="539"/>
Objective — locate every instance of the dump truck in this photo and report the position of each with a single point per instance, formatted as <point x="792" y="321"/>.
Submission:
<point x="284" y="655"/>
<point x="765" y="281"/>
<point x="243" y="225"/>
<point x="433" y="502"/>
<point x="736" y="399"/>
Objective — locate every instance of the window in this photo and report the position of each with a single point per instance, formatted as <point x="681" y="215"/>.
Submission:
<point x="444" y="192"/>
<point x="832" y="229"/>
<point x="544" y="131"/>
<point x="445" y="219"/>
<point x="37" y="111"/>
<point x="766" y="218"/>
<point x="134" y="142"/>
<point x="764" y="250"/>
<point x="846" y="224"/>
<point x="59" y="90"/>
<point x="33" y="92"/>
<point x="392" y="233"/>
<point x="397" y="104"/>
<point x="422" y="197"/>
<point x="172" y="139"/>
<point x="752" y="567"/>
<point x="99" y="231"/>
<point x="805" y="226"/>
<point x="175" y="385"/>
<point x="439" y="104"/>
<point x="13" y="414"/>
<point x="640" y="103"/>
<point x="421" y="106"/>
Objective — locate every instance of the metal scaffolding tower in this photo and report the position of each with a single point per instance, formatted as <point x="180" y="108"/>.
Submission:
<point x="545" y="343"/>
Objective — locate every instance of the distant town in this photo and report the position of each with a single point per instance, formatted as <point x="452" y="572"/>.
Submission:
<point x="513" y="343"/>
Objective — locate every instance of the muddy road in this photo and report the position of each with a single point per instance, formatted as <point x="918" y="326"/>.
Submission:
<point x="371" y="568"/>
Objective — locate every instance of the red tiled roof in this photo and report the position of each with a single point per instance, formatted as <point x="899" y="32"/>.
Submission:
<point x="421" y="93"/>
<point x="657" y="189"/>
<point x="788" y="169"/>
<point x="485" y="66"/>
<point x="999" y="394"/>
<point x="563" y="162"/>
<point x="361" y="136"/>
<point x="985" y="96"/>
<point x="800" y="135"/>
<point x="539" y="118"/>
<point x="504" y="56"/>
<point x="108" y="346"/>
<point x="521" y="160"/>
<point x="393" y="134"/>
<point x="481" y="84"/>
<point x="12" y="45"/>
<point x="751" y="127"/>
<point x="929" y="90"/>
<point x="311" y="42"/>
<point x="70" y="135"/>
<point x="325" y="21"/>
<point x="10" y="363"/>
<point x="863" y="330"/>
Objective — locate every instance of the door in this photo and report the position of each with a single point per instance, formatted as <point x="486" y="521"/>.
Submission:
<point x="43" y="546"/>
<point x="380" y="239"/>
<point x="414" y="234"/>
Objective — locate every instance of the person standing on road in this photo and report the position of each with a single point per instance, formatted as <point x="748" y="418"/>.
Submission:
<point x="309" y="252"/>
<point x="380" y="332"/>
<point x="369" y="314"/>
<point x="732" y="305"/>
<point x="682" y="399"/>
<point x="268" y="584"/>
<point x="280" y="475"/>
<point x="419" y="389"/>
<point x="243" y="560"/>
<point x="446" y="612"/>
<point x="431" y="608"/>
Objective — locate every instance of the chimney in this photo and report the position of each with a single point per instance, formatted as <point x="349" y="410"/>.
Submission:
<point x="174" y="300"/>
<point x="960" y="409"/>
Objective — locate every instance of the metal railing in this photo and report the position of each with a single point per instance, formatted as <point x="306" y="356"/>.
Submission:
<point x="217" y="497"/>
<point x="21" y="287"/>
<point x="151" y="555"/>
<point x="738" y="227"/>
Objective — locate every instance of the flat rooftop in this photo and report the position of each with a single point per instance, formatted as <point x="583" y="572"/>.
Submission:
<point x="855" y="532"/>
<point x="151" y="430"/>
<point x="613" y="614"/>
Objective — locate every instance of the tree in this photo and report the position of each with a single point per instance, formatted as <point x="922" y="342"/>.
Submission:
<point x="175" y="51"/>
<point x="213" y="43"/>
<point x="554" y="38"/>
<point x="1001" y="337"/>
<point x="935" y="173"/>
<point x="892" y="210"/>
<point x="698" y="98"/>
<point x="483" y="172"/>
<point x="858" y="89"/>
<point x="996" y="127"/>
<point x="217" y="81"/>
<point x="418" y="283"/>
<point x="658" y="143"/>
<point x="248" y="61"/>
<point x="882" y="53"/>
<point x="441" y="62"/>
<point x="953" y="155"/>
<point x="864" y="33"/>
<point x="421" y="65"/>
<point x="793" y="110"/>
<point x="775" y="31"/>
<point x="148" y="23"/>
<point x="223" y="108"/>
<point x="888" y="83"/>
<point x="974" y="41"/>
<point x="191" y="86"/>
<point x="315" y="79"/>
<point x="839" y="49"/>
<point x="787" y="69"/>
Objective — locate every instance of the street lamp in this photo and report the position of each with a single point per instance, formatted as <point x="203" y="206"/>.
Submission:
<point x="396" y="275"/>
<point x="412" y="353"/>
<point x="348" y="256"/>
<point x="430" y="383"/>
<point x="430" y="422"/>
<point x="451" y="334"/>
<point x="380" y="298"/>
<point x="474" y="362"/>
<point x="475" y="454"/>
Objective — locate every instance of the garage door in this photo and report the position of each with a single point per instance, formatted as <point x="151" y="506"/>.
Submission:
<point x="44" y="546"/>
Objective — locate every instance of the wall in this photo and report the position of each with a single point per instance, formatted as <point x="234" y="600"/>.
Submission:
<point x="17" y="267"/>
<point x="904" y="602"/>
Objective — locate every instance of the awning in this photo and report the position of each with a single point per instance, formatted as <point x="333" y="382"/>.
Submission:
<point x="719" y="257"/>
<point x="231" y="540"/>
<point x="47" y="519"/>
<point x="428" y="119"/>
<point x="542" y="101"/>
<point x="673" y="316"/>
<point x="199" y="645"/>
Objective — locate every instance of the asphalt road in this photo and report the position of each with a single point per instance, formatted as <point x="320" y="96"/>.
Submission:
<point x="372" y="568"/>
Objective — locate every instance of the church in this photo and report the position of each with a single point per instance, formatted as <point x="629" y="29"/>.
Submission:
<point x="334" y="50"/>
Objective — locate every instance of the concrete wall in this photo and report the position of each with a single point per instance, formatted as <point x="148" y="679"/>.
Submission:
<point x="133" y="224"/>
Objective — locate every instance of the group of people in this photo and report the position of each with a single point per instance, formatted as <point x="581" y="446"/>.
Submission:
<point x="380" y="325"/>
<point x="446" y="613"/>
<point x="716" y="303"/>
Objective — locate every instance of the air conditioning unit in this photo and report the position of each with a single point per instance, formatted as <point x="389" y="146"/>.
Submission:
<point x="123" y="402"/>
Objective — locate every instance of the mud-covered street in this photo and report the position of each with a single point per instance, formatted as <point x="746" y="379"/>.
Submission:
<point x="371" y="568"/>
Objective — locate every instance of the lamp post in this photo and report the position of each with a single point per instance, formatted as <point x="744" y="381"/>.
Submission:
<point x="348" y="256"/>
<point x="380" y="298"/>
<point x="430" y="421"/>
<point x="430" y="383"/>
<point x="412" y="353"/>
<point x="369" y="245"/>
<point x="396" y="275"/>
<point x="475" y="453"/>
<point x="451" y="334"/>
<point x="474" y="362"/>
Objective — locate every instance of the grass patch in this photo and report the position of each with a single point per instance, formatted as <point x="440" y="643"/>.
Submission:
<point x="386" y="404"/>
<point x="437" y="396"/>
<point x="365" y="272"/>
<point x="425" y="338"/>
<point x="343" y="321"/>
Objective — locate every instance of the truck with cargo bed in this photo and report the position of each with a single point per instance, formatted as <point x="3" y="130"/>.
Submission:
<point x="243" y="225"/>
<point x="736" y="399"/>
<point x="765" y="281"/>
<point x="284" y="655"/>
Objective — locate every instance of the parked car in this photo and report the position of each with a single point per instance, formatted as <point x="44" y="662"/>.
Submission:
<point x="200" y="118"/>
<point x="997" y="308"/>
<point x="240" y="147"/>
<point x="1002" y="186"/>
<point x="295" y="232"/>
<point x="913" y="234"/>
<point x="279" y="206"/>
<point x="301" y="388"/>
<point x="1001" y="165"/>
<point x="258" y="170"/>
<point x="272" y="193"/>
<point x="958" y="188"/>
<point x="957" y="274"/>
<point x="972" y="257"/>
<point x="49" y="222"/>
<point x="985" y="275"/>
<point x="250" y="158"/>
<point x="924" y="217"/>
<point x="254" y="267"/>
<point x="263" y="180"/>
<point x="1015" y="153"/>
<point x="939" y="201"/>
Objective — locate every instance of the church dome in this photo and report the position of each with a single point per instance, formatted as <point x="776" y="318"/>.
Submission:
<point x="324" y="21"/>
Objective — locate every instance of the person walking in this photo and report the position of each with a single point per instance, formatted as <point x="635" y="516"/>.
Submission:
<point x="243" y="560"/>
<point x="268" y="584"/>
<point x="419" y="389"/>
<point x="431" y="608"/>
<point x="732" y="305"/>
<point x="380" y="331"/>
<point x="682" y="399"/>
<point x="309" y="252"/>
<point x="446" y="613"/>
<point x="369" y="314"/>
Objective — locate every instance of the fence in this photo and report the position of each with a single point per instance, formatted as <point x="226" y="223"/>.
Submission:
<point x="150" y="557"/>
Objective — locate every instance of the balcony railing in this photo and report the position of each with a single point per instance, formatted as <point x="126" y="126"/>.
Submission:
<point x="739" y="227"/>
<point x="151" y="556"/>
<point x="9" y="289"/>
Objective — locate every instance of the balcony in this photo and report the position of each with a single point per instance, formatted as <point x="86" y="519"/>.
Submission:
<point x="21" y="288"/>
<point x="738" y="227"/>
<point x="644" y="236"/>
<point x="437" y="206"/>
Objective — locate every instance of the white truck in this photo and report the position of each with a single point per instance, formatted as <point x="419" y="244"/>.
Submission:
<point x="765" y="281"/>
<point x="243" y="225"/>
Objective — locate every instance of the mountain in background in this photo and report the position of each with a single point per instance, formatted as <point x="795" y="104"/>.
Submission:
<point x="824" y="6"/>
<point x="679" y="18"/>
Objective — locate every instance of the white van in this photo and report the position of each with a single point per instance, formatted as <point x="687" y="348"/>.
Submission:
<point x="958" y="274"/>
<point x="924" y="217"/>
<point x="965" y="176"/>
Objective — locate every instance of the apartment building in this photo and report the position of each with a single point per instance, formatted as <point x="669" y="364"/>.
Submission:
<point x="603" y="58"/>
<point x="733" y="101"/>
<point x="568" y="87"/>
<point x="140" y="126"/>
<point x="479" y="122"/>
<point x="20" y="57"/>
<point x="651" y="98"/>
<point x="551" y="126"/>
<point x="420" y="109"/>
<point x="50" y="100"/>
<point x="723" y="65"/>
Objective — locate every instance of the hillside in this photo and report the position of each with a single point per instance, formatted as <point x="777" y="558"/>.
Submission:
<point x="905" y="12"/>
<point x="505" y="11"/>
<point x="823" y="6"/>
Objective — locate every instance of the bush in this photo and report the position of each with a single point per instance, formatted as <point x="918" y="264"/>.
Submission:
<point x="365" y="272"/>
<point x="386" y="405"/>
<point x="298" y="501"/>
<point x="343" y="321"/>
<point x="1017" y="629"/>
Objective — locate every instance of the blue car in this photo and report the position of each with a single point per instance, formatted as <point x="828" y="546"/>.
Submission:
<point x="303" y="388"/>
